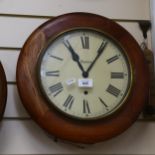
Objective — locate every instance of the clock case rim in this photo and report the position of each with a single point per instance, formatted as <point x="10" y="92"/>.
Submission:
<point x="3" y="91"/>
<point x="130" y="83"/>
<point x="51" y="120"/>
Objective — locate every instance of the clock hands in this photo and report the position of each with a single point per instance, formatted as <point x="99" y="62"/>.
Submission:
<point x="75" y="57"/>
<point x="99" y="52"/>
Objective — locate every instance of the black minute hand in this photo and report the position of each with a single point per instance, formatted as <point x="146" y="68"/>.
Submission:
<point x="75" y="56"/>
<point x="99" y="52"/>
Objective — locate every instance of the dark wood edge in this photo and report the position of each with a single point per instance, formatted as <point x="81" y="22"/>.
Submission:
<point x="3" y="91"/>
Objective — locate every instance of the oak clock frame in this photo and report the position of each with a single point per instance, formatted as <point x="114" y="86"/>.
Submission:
<point x="53" y="121"/>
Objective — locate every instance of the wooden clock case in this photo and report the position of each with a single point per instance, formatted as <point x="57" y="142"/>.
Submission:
<point x="54" y="122"/>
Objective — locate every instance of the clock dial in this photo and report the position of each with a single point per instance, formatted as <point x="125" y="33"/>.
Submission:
<point x="85" y="74"/>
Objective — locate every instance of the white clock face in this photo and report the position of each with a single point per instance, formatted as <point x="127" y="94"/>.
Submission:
<point x="85" y="74"/>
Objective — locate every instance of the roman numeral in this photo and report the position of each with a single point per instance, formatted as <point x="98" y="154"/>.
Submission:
<point x="114" y="58"/>
<point x="117" y="75"/>
<point x="55" y="57"/>
<point x="86" y="109"/>
<point x="106" y="106"/>
<point x="52" y="73"/>
<point x="56" y="89"/>
<point x="102" y="46"/>
<point x="113" y="90"/>
<point x="67" y="44"/>
<point x="85" y="42"/>
<point x="69" y="102"/>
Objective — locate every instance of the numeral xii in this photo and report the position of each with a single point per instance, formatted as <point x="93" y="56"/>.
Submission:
<point x="85" y="42"/>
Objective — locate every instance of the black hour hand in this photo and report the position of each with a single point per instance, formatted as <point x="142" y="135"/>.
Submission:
<point x="75" y="56"/>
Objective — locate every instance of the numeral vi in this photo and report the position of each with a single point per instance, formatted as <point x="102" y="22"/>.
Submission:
<point x="86" y="109"/>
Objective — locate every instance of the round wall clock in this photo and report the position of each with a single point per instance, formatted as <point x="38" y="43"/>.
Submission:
<point x="82" y="77"/>
<point x="3" y="91"/>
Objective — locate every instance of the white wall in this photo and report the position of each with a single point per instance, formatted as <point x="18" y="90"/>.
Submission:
<point x="18" y="18"/>
<point x="152" y="8"/>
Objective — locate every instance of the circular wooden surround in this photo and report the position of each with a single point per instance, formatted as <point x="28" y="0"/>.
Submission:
<point x="54" y="122"/>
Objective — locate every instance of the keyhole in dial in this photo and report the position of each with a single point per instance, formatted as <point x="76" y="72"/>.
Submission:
<point x="86" y="92"/>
